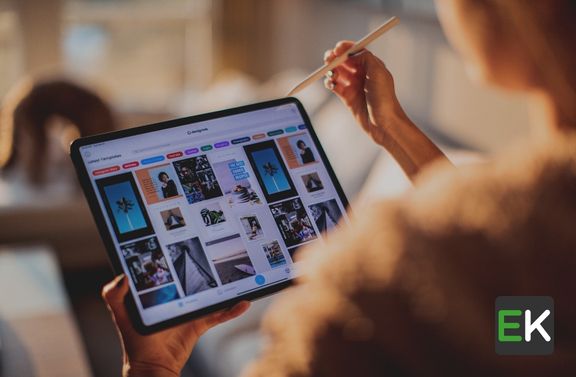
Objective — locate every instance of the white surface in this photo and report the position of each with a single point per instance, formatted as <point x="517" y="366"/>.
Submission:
<point x="39" y="337"/>
<point x="30" y="284"/>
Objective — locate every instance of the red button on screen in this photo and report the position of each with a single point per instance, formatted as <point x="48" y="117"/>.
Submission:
<point x="129" y="165"/>
<point x="174" y="155"/>
<point x="107" y="170"/>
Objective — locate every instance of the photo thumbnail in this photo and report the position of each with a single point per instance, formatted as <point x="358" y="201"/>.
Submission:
<point x="158" y="183"/>
<point x="236" y="183"/>
<point x="197" y="178"/>
<point x="230" y="259"/>
<point x="326" y="215"/>
<point x="297" y="150"/>
<point x="146" y="263"/>
<point x="293" y="222"/>
<point x="191" y="266"/>
<point x="212" y="214"/>
<point x="312" y="182"/>
<point x="274" y="254"/>
<point x="159" y="296"/>
<point x="124" y="207"/>
<point x="252" y="227"/>
<point x="270" y="171"/>
<point x="173" y="218"/>
<point x="215" y="221"/>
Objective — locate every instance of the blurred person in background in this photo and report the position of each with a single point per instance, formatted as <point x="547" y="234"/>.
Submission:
<point x="408" y="289"/>
<point x="39" y="120"/>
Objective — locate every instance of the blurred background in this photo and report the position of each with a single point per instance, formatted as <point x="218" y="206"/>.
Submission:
<point x="132" y="62"/>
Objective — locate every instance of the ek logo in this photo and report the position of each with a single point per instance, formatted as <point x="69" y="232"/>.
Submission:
<point x="524" y="325"/>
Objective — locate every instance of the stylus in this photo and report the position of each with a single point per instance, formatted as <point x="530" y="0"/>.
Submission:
<point x="362" y="43"/>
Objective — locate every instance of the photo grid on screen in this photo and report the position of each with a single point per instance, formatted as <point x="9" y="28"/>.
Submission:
<point x="218" y="215"/>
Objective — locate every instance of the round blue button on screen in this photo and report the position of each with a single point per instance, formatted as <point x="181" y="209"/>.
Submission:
<point x="260" y="279"/>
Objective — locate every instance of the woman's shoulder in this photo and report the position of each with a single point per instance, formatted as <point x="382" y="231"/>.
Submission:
<point x="523" y="194"/>
<point x="529" y="180"/>
<point x="442" y="253"/>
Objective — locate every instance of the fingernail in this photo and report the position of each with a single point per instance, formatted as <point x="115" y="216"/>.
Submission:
<point x="356" y="53"/>
<point x="119" y="280"/>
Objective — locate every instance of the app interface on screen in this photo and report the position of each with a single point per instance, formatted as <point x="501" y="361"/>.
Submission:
<point x="204" y="212"/>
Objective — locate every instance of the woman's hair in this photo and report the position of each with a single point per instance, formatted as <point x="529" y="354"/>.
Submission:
<point x="161" y="174"/>
<point x="546" y="30"/>
<point x="300" y="144"/>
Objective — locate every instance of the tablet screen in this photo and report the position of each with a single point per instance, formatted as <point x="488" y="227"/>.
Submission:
<point x="207" y="211"/>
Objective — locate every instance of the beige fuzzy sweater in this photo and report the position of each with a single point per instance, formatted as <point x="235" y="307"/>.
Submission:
<point x="408" y="288"/>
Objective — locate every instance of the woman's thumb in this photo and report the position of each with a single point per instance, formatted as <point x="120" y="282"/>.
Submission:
<point x="113" y="293"/>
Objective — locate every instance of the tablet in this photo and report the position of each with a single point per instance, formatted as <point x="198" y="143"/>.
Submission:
<point x="205" y="211"/>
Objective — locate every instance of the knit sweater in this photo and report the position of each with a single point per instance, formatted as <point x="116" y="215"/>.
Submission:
<point x="408" y="288"/>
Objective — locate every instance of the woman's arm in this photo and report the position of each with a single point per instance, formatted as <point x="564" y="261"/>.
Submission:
<point x="367" y="88"/>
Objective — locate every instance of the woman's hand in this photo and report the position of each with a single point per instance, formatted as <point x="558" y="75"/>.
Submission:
<point x="164" y="353"/>
<point x="366" y="87"/>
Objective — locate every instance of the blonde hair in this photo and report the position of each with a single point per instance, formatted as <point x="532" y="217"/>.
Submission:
<point x="546" y="30"/>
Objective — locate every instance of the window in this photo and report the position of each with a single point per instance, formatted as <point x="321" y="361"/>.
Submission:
<point x="10" y="54"/>
<point x="139" y="53"/>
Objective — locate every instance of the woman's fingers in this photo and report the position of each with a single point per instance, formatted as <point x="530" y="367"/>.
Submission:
<point x="328" y="56"/>
<point x="338" y="50"/>
<point x="341" y="77"/>
<point x="113" y="294"/>
<point x="236" y="311"/>
<point x="228" y="314"/>
<point x="328" y="83"/>
<point x="342" y="47"/>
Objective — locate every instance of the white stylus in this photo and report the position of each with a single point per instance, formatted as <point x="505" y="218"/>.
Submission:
<point x="362" y="43"/>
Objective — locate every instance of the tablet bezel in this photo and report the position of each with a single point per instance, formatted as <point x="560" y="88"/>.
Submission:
<point x="98" y="213"/>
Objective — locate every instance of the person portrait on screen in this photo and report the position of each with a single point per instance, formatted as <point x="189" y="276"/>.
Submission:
<point x="408" y="287"/>
<point x="254" y="229"/>
<point x="168" y="186"/>
<point x="306" y="154"/>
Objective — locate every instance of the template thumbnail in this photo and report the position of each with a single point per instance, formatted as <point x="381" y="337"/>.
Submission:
<point x="293" y="222"/>
<point x="270" y="171"/>
<point x="159" y="296"/>
<point x="216" y="224"/>
<point x="191" y="266"/>
<point x="230" y="259"/>
<point x="146" y="263"/>
<point x="312" y="182"/>
<point x="197" y="178"/>
<point x="173" y="218"/>
<point x="158" y="183"/>
<point x="274" y="254"/>
<point x="252" y="227"/>
<point x="236" y="183"/>
<point x="212" y="214"/>
<point x="297" y="150"/>
<point x="124" y="207"/>
<point x="326" y="215"/>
